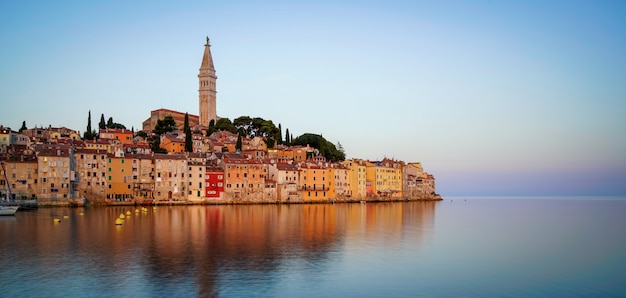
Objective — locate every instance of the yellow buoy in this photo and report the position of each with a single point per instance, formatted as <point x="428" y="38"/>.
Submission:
<point x="136" y="210"/>
<point x="122" y="216"/>
<point x="127" y="212"/>
<point x="57" y="220"/>
<point x="119" y="222"/>
<point x="81" y="213"/>
<point x="65" y="216"/>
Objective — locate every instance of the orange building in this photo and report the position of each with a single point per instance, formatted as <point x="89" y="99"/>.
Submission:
<point x="297" y="153"/>
<point x="244" y="179"/>
<point x="173" y="144"/>
<point x="123" y="136"/>
<point x="119" y="181"/>
<point x="314" y="184"/>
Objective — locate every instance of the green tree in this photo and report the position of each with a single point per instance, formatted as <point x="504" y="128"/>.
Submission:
<point x="165" y="125"/>
<point x="102" y="124"/>
<point x="325" y="148"/>
<point x="109" y="122"/>
<point x="239" y="144"/>
<point x="287" y="139"/>
<point x="243" y="125"/>
<point x="211" y="128"/>
<point x="225" y="124"/>
<point x="280" y="134"/>
<point x="155" y="145"/>
<point x="89" y="134"/>
<point x="142" y="134"/>
<point x="23" y="128"/>
<point x="187" y="130"/>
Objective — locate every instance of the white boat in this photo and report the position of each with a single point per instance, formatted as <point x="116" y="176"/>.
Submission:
<point x="8" y="210"/>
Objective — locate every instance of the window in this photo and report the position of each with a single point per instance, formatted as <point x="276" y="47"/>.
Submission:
<point x="110" y="179"/>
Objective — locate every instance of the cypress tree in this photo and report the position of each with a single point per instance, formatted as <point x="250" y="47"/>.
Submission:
<point x="280" y="134"/>
<point x="287" y="140"/>
<point x="23" y="128"/>
<point x="88" y="135"/>
<point x="187" y="130"/>
<point x="239" y="144"/>
<point x="102" y="124"/>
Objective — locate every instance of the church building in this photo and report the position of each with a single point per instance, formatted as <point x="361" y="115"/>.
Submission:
<point x="207" y="96"/>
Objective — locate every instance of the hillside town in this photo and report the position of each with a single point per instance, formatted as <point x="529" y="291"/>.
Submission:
<point x="193" y="163"/>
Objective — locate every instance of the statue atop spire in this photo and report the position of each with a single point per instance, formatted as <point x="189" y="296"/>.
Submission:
<point x="207" y="41"/>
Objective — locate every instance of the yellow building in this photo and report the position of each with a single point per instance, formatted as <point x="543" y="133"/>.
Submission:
<point x="119" y="178"/>
<point x="357" y="178"/>
<point x="21" y="172"/>
<point x="385" y="177"/>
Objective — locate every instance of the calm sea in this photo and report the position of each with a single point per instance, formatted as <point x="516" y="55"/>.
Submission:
<point x="459" y="247"/>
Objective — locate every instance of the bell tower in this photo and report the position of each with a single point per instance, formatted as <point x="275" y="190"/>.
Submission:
<point x="206" y="91"/>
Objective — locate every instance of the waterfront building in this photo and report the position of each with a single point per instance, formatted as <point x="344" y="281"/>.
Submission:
<point x="357" y="178"/>
<point x="214" y="182"/>
<point x="171" y="177"/>
<point x="313" y="184"/>
<point x="56" y="173"/>
<point x="91" y="170"/>
<point x="119" y="178"/>
<point x="196" y="180"/>
<point x="385" y="178"/>
<point x="244" y="179"/>
<point x="21" y="176"/>
<point x="143" y="177"/>
<point x="287" y="177"/>
<point x="339" y="181"/>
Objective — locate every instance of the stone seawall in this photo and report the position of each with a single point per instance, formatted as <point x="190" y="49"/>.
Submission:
<point x="81" y="203"/>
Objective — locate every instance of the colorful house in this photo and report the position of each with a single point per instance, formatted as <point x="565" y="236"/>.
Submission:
<point x="314" y="185"/>
<point x="119" y="178"/>
<point x="214" y="182"/>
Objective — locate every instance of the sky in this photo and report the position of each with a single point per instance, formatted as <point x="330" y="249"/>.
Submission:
<point x="492" y="97"/>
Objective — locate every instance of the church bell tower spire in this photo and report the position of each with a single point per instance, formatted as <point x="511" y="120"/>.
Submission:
<point x="207" y="91"/>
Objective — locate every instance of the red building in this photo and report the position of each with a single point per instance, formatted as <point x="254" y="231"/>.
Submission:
<point x="214" y="182"/>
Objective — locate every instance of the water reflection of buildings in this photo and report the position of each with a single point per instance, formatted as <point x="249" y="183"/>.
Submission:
<point x="200" y="246"/>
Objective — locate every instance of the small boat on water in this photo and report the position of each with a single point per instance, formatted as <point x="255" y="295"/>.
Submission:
<point x="8" y="210"/>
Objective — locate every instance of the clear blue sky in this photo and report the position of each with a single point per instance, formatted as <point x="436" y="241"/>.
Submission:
<point x="493" y="97"/>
